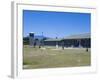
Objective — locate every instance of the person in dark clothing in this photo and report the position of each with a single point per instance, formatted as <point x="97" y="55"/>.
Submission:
<point x="63" y="45"/>
<point x="86" y="49"/>
<point x="34" y="44"/>
<point x="39" y="44"/>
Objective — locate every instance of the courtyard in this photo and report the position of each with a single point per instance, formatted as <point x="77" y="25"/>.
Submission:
<point x="52" y="57"/>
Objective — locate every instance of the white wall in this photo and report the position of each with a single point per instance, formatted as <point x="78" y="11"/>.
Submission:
<point x="5" y="37"/>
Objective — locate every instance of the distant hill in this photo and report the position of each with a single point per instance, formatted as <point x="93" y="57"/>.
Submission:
<point x="40" y="37"/>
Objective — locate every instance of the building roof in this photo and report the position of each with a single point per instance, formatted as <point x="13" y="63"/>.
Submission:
<point x="53" y="39"/>
<point x="79" y="36"/>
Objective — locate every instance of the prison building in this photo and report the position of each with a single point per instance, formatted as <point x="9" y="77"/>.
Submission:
<point x="79" y="40"/>
<point x="53" y="42"/>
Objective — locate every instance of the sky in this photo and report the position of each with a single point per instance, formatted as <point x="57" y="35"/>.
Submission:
<point x="55" y="24"/>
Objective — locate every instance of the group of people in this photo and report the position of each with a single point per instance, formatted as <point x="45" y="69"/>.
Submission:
<point x="39" y="43"/>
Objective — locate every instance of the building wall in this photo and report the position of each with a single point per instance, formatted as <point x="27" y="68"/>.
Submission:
<point x="52" y="43"/>
<point x="86" y="43"/>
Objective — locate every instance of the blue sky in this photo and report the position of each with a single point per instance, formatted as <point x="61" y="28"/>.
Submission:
<point x="55" y="24"/>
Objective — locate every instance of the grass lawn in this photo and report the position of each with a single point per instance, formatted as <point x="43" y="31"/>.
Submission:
<point x="51" y="57"/>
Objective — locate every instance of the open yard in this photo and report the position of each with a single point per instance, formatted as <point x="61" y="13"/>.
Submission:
<point x="50" y="57"/>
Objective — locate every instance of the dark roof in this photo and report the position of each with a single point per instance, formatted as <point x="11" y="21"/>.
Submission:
<point x="79" y="36"/>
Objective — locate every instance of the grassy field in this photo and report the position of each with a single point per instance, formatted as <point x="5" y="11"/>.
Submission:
<point x="51" y="57"/>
